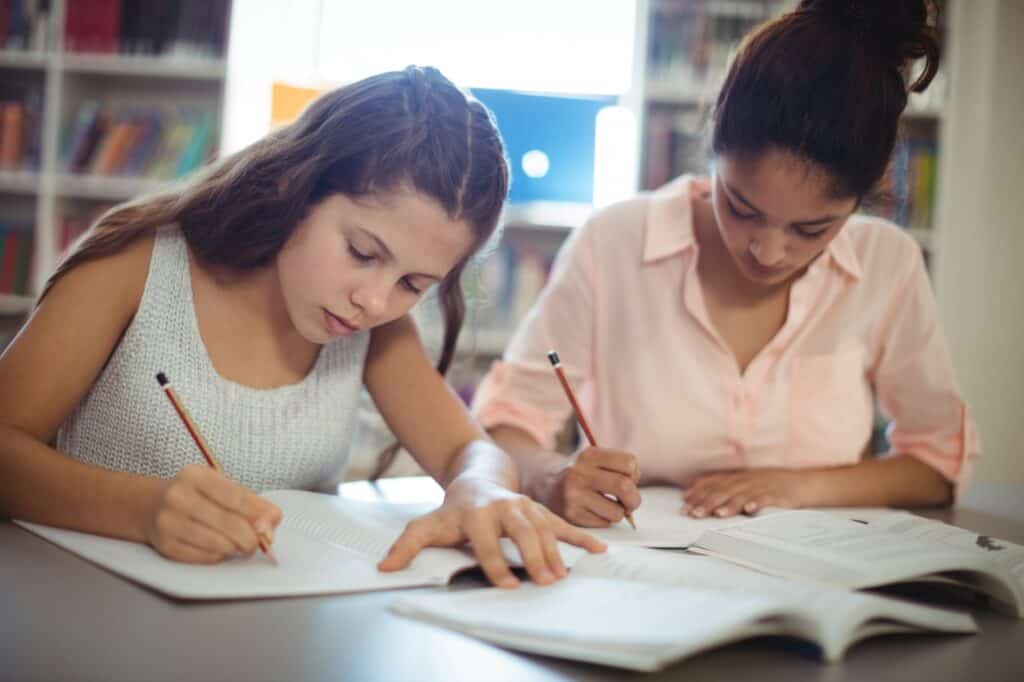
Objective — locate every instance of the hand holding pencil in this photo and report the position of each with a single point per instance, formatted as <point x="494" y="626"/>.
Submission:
<point x="202" y="516"/>
<point x="601" y="485"/>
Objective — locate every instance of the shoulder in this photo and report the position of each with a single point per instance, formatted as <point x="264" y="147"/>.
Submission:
<point x="617" y="222"/>
<point x="885" y="250"/>
<point x="613" y="233"/>
<point x="114" y="281"/>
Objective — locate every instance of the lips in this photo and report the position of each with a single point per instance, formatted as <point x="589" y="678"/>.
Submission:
<point x="337" y="325"/>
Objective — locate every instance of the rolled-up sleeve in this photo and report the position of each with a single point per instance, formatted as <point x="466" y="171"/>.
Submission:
<point x="521" y="390"/>
<point x="916" y="386"/>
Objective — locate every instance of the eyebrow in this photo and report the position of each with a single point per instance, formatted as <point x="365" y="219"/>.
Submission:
<point x="390" y="256"/>
<point x="802" y="223"/>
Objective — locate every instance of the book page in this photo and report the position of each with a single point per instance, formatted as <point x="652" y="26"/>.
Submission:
<point x="366" y="528"/>
<point x="831" y="549"/>
<point x="623" y="623"/>
<point x="834" y="618"/>
<point x="306" y="566"/>
<point x="660" y="522"/>
<point x="1001" y="554"/>
<point x="324" y="545"/>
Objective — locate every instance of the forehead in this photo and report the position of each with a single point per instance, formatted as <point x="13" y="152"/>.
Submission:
<point x="783" y="184"/>
<point x="416" y="229"/>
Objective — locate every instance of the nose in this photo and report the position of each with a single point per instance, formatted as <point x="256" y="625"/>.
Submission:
<point x="371" y="297"/>
<point x="769" y="248"/>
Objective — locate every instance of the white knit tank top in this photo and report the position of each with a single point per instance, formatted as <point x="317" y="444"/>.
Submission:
<point x="294" y="436"/>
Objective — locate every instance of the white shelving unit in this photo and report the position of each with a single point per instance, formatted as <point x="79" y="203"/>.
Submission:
<point x="66" y="80"/>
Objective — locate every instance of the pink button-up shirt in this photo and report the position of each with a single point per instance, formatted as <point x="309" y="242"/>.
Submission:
<point x="625" y="312"/>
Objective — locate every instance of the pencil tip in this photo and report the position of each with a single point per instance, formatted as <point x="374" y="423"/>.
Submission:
<point x="553" y="357"/>
<point x="162" y="378"/>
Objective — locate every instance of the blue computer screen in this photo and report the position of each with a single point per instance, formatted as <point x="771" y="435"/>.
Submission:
<point x="562" y="128"/>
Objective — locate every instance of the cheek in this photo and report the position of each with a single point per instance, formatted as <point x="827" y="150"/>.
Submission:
<point x="734" y="233"/>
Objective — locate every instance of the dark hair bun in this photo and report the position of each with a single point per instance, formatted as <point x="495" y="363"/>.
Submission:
<point x="899" y="30"/>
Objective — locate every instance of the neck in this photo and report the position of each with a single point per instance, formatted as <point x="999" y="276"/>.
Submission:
<point x="255" y="293"/>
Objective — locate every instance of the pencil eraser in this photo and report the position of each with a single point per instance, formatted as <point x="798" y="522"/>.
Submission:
<point x="553" y="357"/>
<point x="162" y="378"/>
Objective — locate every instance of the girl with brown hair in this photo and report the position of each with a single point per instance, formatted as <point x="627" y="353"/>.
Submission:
<point x="270" y="289"/>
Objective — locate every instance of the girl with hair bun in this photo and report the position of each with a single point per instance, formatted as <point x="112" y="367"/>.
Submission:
<point x="730" y="335"/>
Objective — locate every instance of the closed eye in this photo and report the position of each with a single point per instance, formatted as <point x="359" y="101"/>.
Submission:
<point x="809" y="235"/>
<point x="359" y="255"/>
<point x="407" y="283"/>
<point x="737" y="214"/>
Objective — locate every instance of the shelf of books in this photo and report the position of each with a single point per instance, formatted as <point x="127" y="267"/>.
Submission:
<point x="100" y="101"/>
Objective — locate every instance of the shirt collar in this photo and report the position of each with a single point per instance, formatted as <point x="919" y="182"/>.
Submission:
<point x="669" y="228"/>
<point x="843" y="254"/>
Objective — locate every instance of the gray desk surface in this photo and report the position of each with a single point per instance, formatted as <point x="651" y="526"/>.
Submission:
<point x="62" y="618"/>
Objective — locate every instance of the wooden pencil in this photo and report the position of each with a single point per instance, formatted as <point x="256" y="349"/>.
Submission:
<point x="557" y="365"/>
<point x="193" y="431"/>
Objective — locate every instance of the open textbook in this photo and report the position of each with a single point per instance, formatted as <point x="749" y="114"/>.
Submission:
<point x="661" y="523"/>
<point x="874" y="551"/>
<point x="325" y="544"/>
<point x="642" y="609"/>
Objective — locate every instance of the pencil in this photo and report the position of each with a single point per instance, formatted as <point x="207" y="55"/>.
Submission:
<point x="193" y="431"/>
<point x="557" y="365"/>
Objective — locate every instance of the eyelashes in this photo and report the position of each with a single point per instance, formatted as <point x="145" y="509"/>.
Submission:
<point x="754" y="216"/>
<point x="361" y="257"/>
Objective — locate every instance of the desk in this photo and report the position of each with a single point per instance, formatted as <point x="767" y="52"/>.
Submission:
<point x="62" y="618"/>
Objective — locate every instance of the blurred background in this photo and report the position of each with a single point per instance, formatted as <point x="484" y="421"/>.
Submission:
<point x="101" y="100"/>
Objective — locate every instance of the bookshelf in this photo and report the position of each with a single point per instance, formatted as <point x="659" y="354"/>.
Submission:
<point x="128" y="57"/>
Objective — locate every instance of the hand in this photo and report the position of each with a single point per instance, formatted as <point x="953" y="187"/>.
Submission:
<point x="481" y="512"/>
<point x="203" y="517"/>
<point x="730" y="493"/>
<point x="579" y="491"/>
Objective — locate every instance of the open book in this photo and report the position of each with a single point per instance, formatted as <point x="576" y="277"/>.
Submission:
<point x="642" y="609"/>
<point x="873" y="552"/>
<point x="661" y="523"/>
<point x="325" y="544"/>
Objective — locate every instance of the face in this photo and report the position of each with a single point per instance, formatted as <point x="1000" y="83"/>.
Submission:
<point x="775" y="214"/>
<point x="356" y="263"/>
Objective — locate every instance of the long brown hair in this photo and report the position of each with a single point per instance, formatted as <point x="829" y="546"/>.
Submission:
<point x="411" y="128"/>
<point x="828" y="82"/>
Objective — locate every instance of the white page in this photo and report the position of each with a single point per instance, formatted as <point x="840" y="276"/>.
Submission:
<point x="640" y="608"/>
<point x="325" y="544"/>
<point x="832" y="549"/>
<point x="623" y="623"/>
<point x="1003" y="554"/>
<point x="660" y="521"/>
<point x="307" y="566"/>
<point x="839" y="612"/>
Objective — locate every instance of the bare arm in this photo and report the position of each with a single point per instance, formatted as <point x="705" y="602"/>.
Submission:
<point x="896" y="481"/>
<point x="481" y="481"/>
<point x="425" y="413"/>
<point x="576" y="488"/>
<point x="45" y="373"/>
